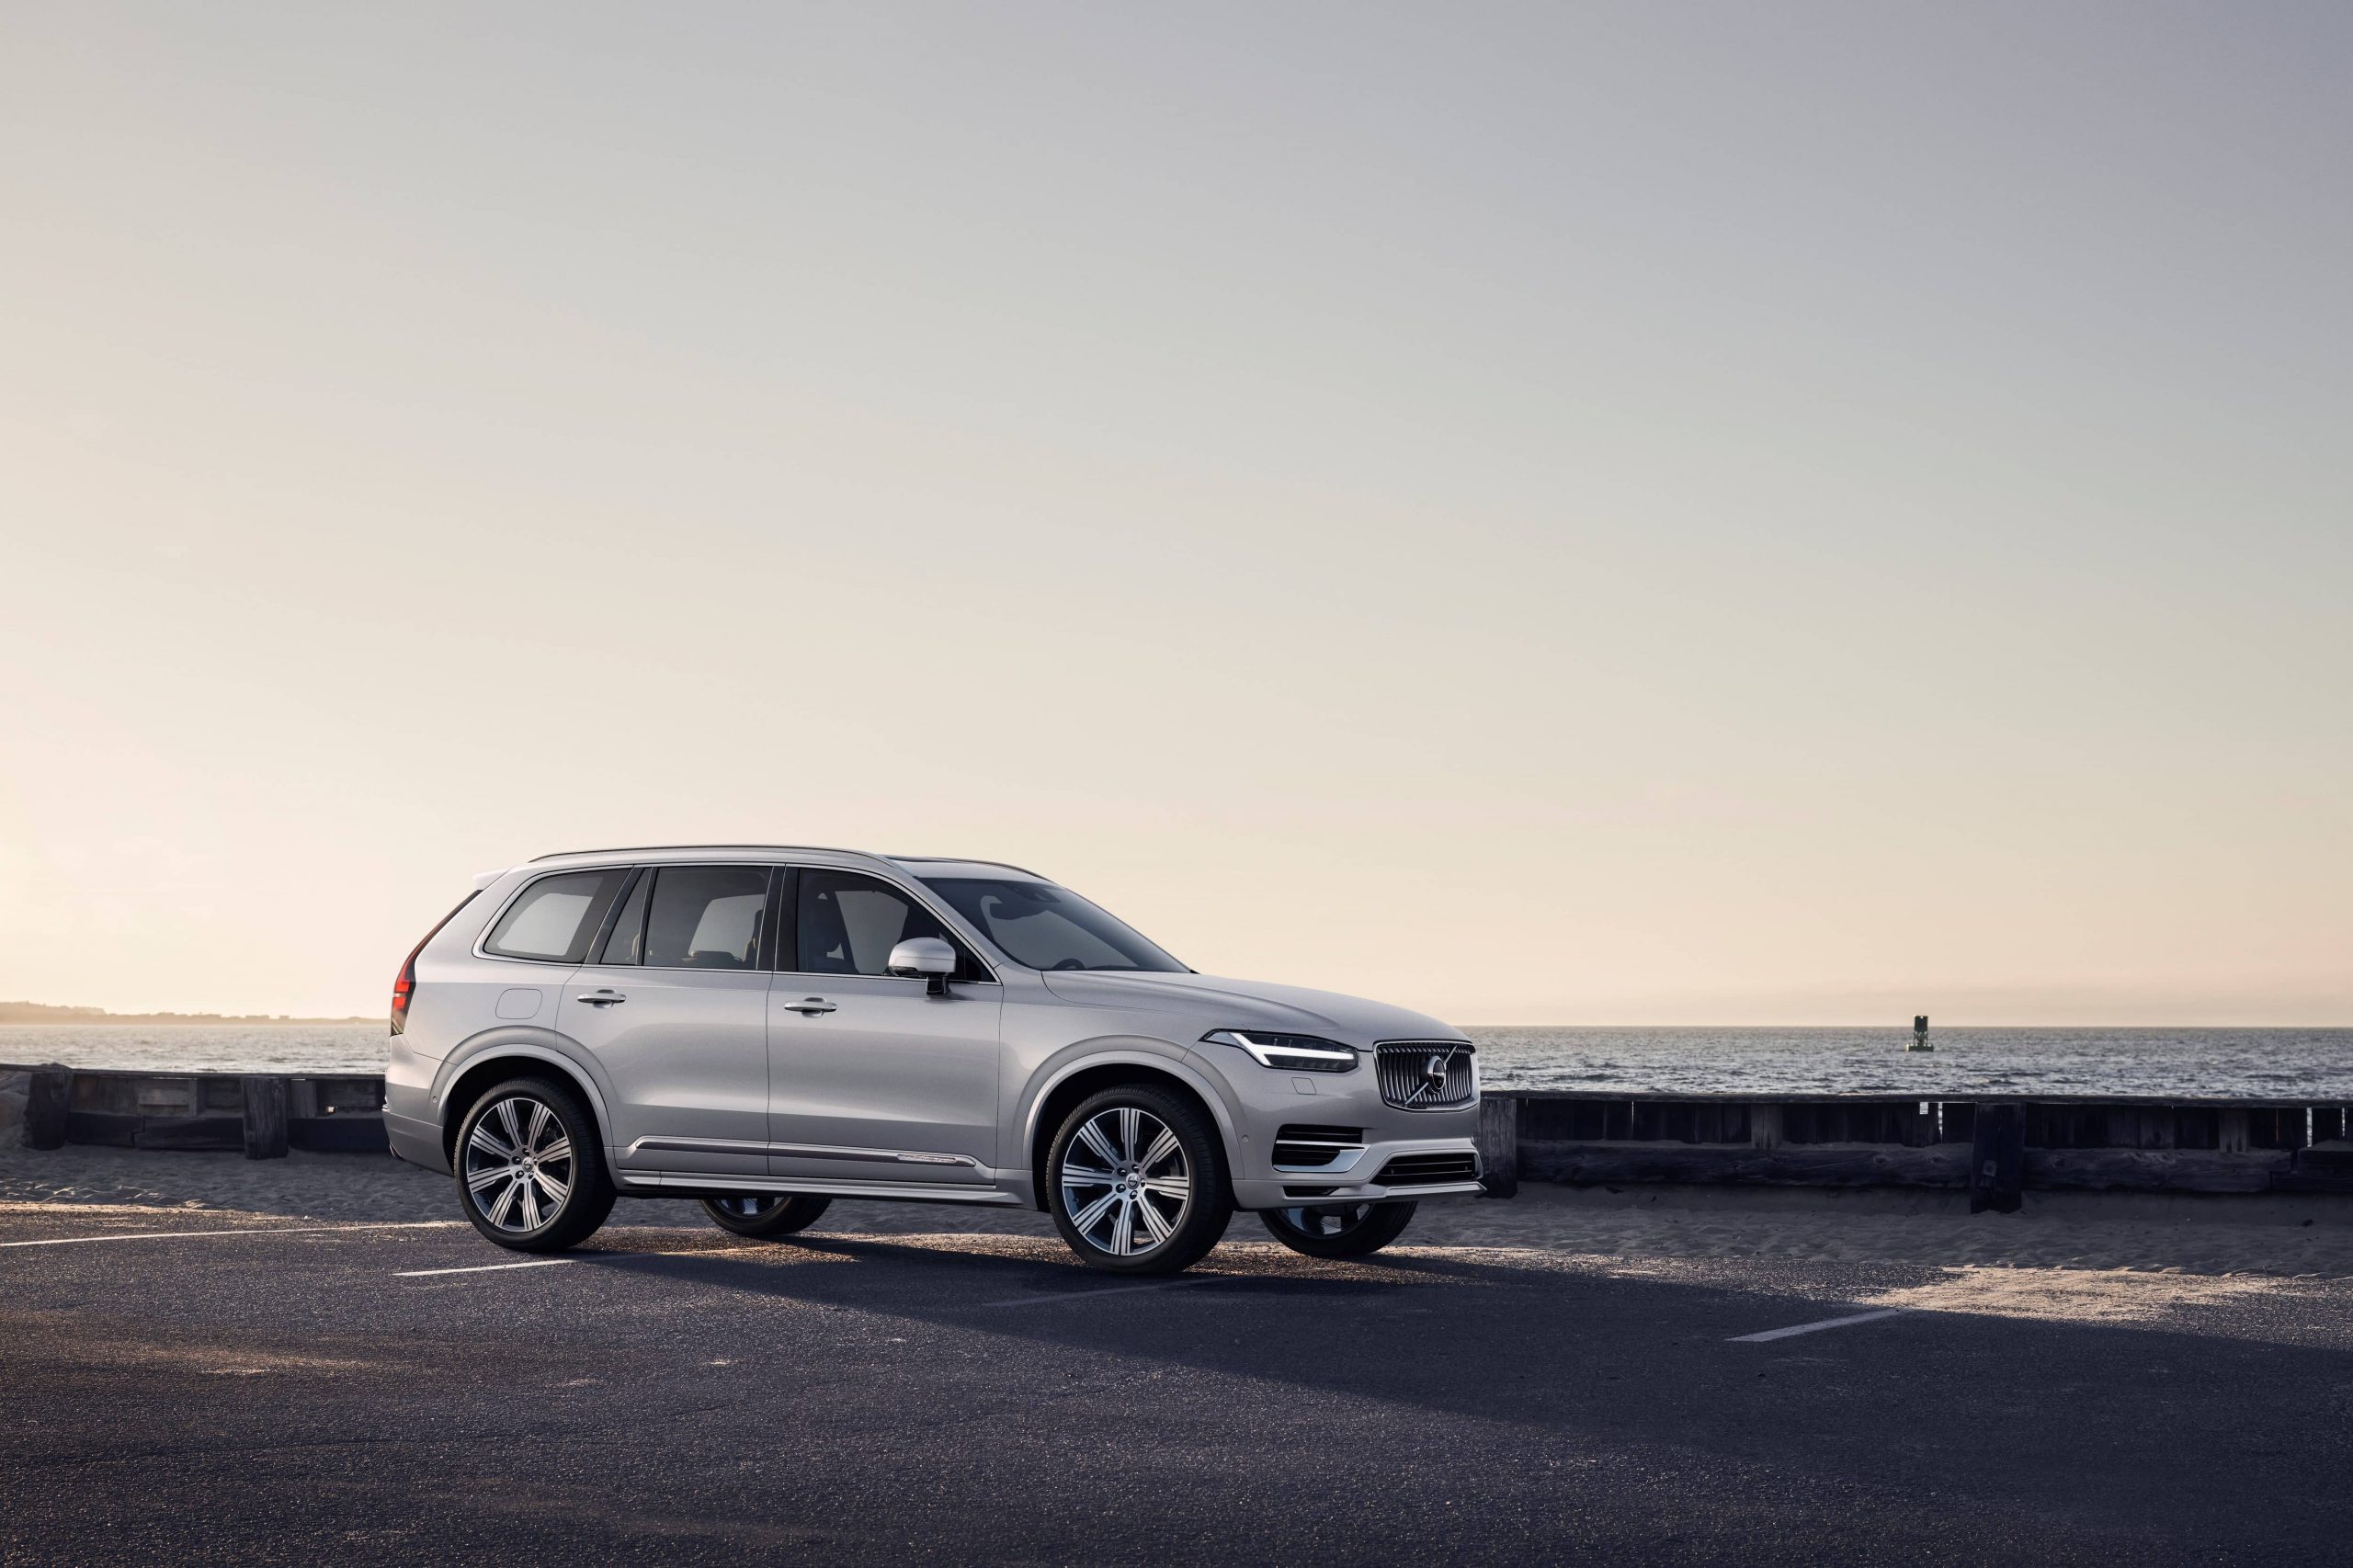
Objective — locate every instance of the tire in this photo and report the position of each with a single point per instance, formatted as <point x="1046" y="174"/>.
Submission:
<point x="1136" y="1182"/>
<point x="558" y="1193"/>
<point x="765" y="1216"/>
<point x="1349" y="1231"/>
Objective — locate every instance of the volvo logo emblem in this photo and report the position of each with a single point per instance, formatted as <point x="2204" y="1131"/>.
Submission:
<point x="1401" y="1087"/>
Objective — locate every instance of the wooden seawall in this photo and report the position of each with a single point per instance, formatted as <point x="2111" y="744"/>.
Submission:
<point x="2049" y="1141"/>
<point x="262" y="1114"/>
<point x="1994" y="1147"/>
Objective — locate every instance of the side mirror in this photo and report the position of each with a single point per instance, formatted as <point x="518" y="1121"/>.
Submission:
<point x="926" y="956"/>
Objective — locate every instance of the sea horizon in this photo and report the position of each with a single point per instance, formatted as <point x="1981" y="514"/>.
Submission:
<point x="2256" y="1060"/>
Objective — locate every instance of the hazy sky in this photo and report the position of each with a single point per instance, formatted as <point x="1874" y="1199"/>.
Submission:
<point x="1554" y="513"/>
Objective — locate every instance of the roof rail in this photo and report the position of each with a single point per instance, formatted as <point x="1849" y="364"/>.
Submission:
<point x="973" y="860"/>
<point x="816" y="848"/>
<point x="649" y="848"/>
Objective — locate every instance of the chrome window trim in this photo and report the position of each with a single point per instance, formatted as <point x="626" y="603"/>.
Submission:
<point x="770" y="867"/>
<point x="979" y="954"/>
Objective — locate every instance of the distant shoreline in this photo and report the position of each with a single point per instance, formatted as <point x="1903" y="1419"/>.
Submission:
<point x="47" y="1013"/>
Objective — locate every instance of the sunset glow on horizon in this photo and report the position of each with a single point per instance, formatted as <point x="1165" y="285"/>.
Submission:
<point x="1540" y="524"/>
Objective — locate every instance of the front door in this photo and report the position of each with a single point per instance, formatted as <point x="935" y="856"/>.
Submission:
<point x="871" y="1079"/>
<point x="675" y="1006"/>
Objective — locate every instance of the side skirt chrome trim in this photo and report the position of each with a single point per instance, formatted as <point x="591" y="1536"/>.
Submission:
<point x="797" y="1152"/>
<point x="692" y="1183"/>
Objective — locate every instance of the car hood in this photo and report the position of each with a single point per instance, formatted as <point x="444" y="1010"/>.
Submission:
<point x="1219" y="1003"/>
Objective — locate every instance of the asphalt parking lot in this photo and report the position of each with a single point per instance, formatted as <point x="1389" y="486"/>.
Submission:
<point x="247" y="1388"/>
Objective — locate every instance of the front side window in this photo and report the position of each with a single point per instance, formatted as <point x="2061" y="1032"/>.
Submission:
<point x="556" y="918"/>
<point x="705" y="917"/>
<point x="1050" y="927"/>
<point x="848" y="923"/>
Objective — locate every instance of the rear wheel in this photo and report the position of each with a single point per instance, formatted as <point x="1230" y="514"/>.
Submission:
<point x="1136" y="1182"/>
<point x="765" y="1216"/>
<point x="1349" y="1231"/>
<point x="530" y="1175"/>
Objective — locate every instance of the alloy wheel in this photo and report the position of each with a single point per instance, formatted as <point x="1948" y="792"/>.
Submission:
<point x="519" y="1165"/>
<point x="1125" y="1182"/>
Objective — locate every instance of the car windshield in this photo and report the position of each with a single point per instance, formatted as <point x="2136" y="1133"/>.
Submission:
<point x="1050" y="927"/>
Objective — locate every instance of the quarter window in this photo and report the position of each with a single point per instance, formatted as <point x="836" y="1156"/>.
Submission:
<point x="556" y="918"/>
<point x="848" y="925"/>
<point x="706" y="917"/>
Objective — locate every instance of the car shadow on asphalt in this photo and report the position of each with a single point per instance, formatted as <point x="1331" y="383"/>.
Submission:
<point x="2143" y="1427"/>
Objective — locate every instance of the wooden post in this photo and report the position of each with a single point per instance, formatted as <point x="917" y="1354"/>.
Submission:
<point x="1997" y="1158"/>
<point x="46" y="1106"/>
<point x="264" y="1118"/>
<point x="1498" y="1138"/>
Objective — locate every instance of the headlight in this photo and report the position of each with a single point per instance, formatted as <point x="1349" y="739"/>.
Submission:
<point x="1293" y="1053"/>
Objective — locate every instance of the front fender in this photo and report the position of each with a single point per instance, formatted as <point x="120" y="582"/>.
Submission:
<point x="1117" y="1050"/>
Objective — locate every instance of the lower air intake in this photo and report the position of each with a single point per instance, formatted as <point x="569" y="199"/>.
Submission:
<point x="1425" y="1170"/>
<point x="1299" y="1146"/>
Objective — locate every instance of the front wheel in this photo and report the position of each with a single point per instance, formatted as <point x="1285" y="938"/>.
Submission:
<point x="765" y="1216"/>
<point x="1349" y="1231"/>
<point x="1136" y="1182"/>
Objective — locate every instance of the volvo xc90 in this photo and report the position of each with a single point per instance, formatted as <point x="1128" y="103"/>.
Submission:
<point x="765" y="1029"/>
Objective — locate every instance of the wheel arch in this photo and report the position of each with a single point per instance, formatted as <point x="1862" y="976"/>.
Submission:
<point x="466" y="1073"/>
<point x="1075" y="1080"/>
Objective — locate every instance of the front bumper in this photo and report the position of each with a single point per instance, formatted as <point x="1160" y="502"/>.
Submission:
<point x="1285" y="1195"/>
<point x="1381" y="1170"/>
<point x="1333" y="1138"/>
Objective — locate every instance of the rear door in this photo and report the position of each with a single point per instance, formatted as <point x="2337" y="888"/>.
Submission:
<point x="871" y="1079"/>
<point x="675" y="1006"/>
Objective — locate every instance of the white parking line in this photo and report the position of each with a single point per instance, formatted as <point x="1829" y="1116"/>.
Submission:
<point x="256" y="1231"/>
<point x="1815" y="1327"/>
<point x="1050" y="1300"/>
<point x="583" y="1258"/>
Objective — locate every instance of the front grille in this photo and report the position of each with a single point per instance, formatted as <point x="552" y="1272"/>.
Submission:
<point x="1301" y="1145"/>
<point x="1405" y="1080"/>
<point x="1424" y="1170"/>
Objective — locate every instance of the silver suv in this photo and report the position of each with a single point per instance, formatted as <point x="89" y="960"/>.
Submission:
<point x="767" y="1028"/>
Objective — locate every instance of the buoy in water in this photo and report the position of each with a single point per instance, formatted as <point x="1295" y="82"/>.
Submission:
<point x="1920" y="1033"/>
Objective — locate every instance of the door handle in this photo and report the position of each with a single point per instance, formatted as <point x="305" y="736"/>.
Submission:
<point x="808" y="1007"/>
<point x="601" y="998"/>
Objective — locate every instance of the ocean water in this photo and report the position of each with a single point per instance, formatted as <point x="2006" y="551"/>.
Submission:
<point x="2270" y="1063"/>
<point x="2250" y="1062"/>
<point x="200" y="1048"/>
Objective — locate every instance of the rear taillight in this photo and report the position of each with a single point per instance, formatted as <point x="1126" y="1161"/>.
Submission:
<point x="404" y="984"/>
<point x="403" y="988"/>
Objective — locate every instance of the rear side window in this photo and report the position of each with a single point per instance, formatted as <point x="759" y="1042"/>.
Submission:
<point x="557" y="917"/>
<point x="848" y="923"/>
<point x="706" y="917"/>
<point x="627" y="944"/>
